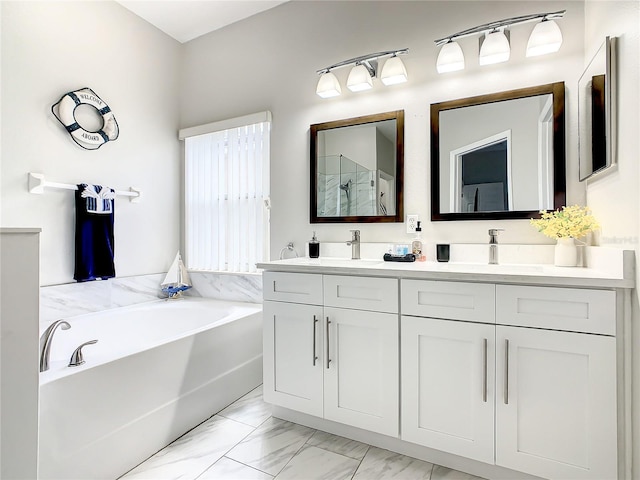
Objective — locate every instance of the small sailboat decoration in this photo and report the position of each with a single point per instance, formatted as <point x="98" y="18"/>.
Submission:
<point x="177" y="279"/>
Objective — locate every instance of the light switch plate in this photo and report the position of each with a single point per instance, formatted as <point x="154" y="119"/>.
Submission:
<point x="412" y="221"/>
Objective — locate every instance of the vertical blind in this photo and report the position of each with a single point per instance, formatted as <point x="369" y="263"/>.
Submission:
<point x="226" y="198"/>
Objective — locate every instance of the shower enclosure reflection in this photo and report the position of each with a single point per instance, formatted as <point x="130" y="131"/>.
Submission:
<point x="346" y="188"/>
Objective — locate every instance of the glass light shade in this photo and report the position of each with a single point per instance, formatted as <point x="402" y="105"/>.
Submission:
<point x="450" y="58"/>
<point x="328" y="86"/>
<point x="495" y="49"/>
<point x="393" y="72"/>
<point x="359" y="79"/>
<point x="545" y="38"/>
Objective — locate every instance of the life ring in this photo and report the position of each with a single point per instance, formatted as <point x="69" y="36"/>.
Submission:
<point x="65" y="113"/>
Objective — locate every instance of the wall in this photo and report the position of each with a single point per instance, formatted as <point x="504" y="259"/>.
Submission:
<point x="273" y="58"/>
<point x="50" y="48"/>
<point x="614" y="196"/>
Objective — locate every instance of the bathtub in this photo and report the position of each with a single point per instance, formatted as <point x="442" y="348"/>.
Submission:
<point x="158" y="369"/>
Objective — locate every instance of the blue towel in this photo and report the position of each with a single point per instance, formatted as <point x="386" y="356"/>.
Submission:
<point x="94" y="233"/>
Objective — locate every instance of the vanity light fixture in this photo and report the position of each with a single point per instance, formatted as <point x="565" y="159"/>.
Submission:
<point x="364" y="70"/>
<point x="545" y="38"/>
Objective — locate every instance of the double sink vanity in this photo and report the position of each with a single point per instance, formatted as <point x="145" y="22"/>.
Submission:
<point x="503" y="371"/>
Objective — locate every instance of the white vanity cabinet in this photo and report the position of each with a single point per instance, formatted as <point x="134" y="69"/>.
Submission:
<point x="546" y="399"/>
<point x="333" y="358"/>
<point x="556" y="390"/>
<point x="293" y="341"/>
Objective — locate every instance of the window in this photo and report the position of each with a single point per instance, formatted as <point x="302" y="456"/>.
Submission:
<point x="227" y="194"/>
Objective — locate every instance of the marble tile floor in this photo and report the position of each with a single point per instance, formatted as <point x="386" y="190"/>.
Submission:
<point x="244" y="442"/>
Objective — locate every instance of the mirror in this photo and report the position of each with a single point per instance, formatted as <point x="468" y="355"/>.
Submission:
<point x="357" y="169"/>
<point x="596" y="111"/>
<point x="498" y="156"/>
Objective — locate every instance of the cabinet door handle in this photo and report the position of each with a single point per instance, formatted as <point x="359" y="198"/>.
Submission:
<point x="327" y="340"/>
<point x="484" y="370"/>
<point x="506" y="372"/>
<point x="315" y="323"/>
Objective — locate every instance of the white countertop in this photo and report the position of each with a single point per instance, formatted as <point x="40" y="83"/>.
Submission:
<point x="609" y="268"/>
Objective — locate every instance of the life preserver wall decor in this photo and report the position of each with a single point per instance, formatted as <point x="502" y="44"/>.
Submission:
<point x="64" y="111"/>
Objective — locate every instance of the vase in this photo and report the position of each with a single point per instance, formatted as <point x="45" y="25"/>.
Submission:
<point x="566" y="253"/>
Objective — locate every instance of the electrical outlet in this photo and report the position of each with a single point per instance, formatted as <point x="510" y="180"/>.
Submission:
<point x="412" y="222"/>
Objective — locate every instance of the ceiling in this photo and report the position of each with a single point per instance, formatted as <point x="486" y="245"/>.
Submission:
<point x="185" y="20"/>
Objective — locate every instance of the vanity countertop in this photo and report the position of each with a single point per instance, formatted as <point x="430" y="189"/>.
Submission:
<point x="612" y="269"/>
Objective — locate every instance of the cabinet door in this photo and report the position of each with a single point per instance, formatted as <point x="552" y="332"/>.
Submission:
<point x="293" y="356"/>
<point x="556" y="403"/>
<point x="361" y="369"/>
<point x="448" y="376"/>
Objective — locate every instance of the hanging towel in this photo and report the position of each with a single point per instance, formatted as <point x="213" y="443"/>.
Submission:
<point x="94" y="233"/>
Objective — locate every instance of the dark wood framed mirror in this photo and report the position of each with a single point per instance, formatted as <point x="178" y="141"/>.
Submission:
<point x="498" y="156"/>
<point x="357" y="169"/>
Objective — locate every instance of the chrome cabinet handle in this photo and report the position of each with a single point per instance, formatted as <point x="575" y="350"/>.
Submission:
<point x="315" y="322"/>
<point x="484" y="371"/>
<point x="506" y="372"/>
<point x="328" y="359"/>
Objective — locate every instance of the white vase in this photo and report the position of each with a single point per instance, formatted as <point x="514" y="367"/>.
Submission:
<point x="566" y="253"/>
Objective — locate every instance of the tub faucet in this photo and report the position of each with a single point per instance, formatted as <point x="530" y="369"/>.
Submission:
<point x="355" y="244"/>
<point x="45" y="342"/>
<point x="493" y="245"/>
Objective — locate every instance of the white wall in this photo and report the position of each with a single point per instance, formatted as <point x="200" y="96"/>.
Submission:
<point x="50" y="48"/>
<point x="614" y="196"/>
<point x="269" y="62"/>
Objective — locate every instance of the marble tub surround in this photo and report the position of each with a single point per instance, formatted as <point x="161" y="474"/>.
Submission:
<point x="227" y="286"/>
<point x="71" y="299"/>
<point x="229" y="447"/>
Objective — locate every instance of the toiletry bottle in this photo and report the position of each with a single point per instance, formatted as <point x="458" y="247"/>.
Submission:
<point x="314" y="247"/>
<point x="416" y="245"/>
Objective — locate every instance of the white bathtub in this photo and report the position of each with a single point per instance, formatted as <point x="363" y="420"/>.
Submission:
<point x="157" y="370"/>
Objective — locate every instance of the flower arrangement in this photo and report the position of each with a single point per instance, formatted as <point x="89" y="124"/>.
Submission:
<point x="569" y="222"/>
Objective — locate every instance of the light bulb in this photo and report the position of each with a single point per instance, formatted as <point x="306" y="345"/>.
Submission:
<point x="359" y="79"/>
<point x="328" y="86"/>
<point x="450" y="58"/>
<point x="393" y="71"/>
<point x="495" y="48"/>
<point x="545" y="38"/>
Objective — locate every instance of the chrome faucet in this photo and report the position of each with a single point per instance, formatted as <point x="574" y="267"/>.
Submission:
<point x="355" y="244"/>
<point x="45" y="342"/>
<point x="493" y="245"/>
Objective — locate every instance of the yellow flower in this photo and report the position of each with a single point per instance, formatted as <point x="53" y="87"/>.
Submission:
<point x="573" y="221"/>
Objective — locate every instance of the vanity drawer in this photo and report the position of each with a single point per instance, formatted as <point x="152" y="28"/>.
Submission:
<point x="361" y="293"/>
<point x="292" y="287"/>
<point x="572" y="309"/>
<point x="473" y="302"/>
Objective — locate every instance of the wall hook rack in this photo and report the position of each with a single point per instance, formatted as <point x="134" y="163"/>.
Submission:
<point x="37" y="184"/>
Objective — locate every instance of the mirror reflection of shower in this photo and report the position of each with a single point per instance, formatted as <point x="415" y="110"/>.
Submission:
<point x="346" y="188"/>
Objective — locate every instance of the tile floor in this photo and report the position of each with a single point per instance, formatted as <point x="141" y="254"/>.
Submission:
<point x="243" y="442"/>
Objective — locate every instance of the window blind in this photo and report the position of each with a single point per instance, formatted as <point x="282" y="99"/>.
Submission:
<point x="226" y="199"/>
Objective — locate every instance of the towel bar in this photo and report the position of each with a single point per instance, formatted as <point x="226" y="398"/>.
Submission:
<point x="37" y="184"/>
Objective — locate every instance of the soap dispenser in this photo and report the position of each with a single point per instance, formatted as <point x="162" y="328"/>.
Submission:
<point x="416" y="245"/>
<point x="314" y="247"/>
